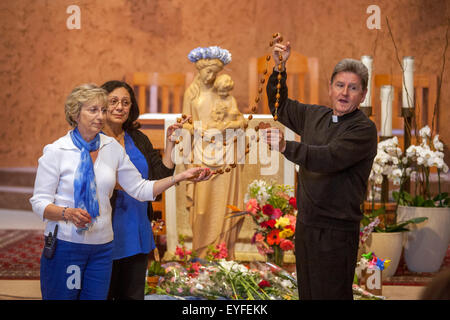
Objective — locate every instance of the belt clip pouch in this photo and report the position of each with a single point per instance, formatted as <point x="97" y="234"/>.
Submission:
<point x="50" y="244"/>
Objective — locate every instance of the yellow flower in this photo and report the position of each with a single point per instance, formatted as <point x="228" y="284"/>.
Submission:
<point x="282" y="222"/>
<point x="286" y="233"/>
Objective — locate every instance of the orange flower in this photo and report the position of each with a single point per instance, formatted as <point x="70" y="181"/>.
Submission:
<point x="273" y="237"/>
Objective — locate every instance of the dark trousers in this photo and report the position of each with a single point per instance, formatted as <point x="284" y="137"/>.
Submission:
<point x="128" y="278"/>
<point x="326" y="261"/>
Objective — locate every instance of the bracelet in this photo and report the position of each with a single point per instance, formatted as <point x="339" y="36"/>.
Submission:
<point x="173" y="181"/>
<point x="63" y="217"/>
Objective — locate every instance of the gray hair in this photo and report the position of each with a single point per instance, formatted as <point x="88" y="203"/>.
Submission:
<point x="354" y="66"/>
<point x="79" y="96"/>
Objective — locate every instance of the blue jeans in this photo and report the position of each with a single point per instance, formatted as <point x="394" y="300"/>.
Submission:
<point x="77" y="271"/>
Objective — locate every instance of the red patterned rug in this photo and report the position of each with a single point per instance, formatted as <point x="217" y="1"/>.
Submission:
<point x="20" y="254"/>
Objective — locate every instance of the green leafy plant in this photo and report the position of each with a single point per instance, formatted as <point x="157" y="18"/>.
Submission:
<point x="404" y="198"/>
<point x="388" y="227"/>
<point x="155" y="269"/>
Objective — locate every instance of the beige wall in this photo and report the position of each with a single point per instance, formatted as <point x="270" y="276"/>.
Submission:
<point x="41" y="60"/>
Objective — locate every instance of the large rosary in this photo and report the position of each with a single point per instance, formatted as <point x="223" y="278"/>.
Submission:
<point x="253" y="109"/>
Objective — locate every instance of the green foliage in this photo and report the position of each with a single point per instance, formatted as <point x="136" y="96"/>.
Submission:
<point x="156" y="269"/>
<point x="403" y="198"/>
<point x="394" y="227"/>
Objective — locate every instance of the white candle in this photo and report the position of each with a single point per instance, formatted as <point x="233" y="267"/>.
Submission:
<point x="386" y="96"/>
<point x="408" y="82"/>
<point x="367" y="61"/>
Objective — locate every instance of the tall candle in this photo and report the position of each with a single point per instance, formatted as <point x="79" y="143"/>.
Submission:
<point x="408" y="82"/>
<point x="367" y="61"/>
<point x="386" y="96"/>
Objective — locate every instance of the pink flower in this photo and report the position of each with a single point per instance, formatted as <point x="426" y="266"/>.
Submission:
<point x="259" y="237"/>
<point x="286" y="245"/>
<point x="179" y="252"/>
<point x="222" y="251"/>
<point x="276" y="214"/>
<point x="293" y="220"/>
<point x="252" y="206"/>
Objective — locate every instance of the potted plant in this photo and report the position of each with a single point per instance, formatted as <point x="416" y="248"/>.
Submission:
<point x="154" y="272"/>
<point x="427" y="243"/>
<point x="382" y="232"/>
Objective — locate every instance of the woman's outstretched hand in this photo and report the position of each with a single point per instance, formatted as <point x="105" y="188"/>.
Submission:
<point x="197" y="174"/>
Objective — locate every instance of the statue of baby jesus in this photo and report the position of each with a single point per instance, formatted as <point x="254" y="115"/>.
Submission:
<point x="225" y="113"/>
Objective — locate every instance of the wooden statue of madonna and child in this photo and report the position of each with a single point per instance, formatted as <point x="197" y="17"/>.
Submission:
<point x="214" y="128"/>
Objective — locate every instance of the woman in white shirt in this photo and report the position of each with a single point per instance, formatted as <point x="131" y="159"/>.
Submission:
<point x="75" y="179"/>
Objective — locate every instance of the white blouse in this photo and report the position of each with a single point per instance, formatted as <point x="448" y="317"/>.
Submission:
<point x="54" y="185"/>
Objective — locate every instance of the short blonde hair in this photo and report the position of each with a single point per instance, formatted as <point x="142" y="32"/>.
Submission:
<point x="81" y="95"/>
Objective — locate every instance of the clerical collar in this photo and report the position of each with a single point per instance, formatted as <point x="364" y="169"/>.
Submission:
<point x="335" y="118"/>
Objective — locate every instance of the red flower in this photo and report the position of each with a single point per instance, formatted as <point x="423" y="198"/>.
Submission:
<point x="268" y="209"/>
<point x="264" y="284"/>
<point x="286" y="245"/>
<point x="273" y="237"/>
<point x="268" y="224"/>
<point x="293" y="202"/>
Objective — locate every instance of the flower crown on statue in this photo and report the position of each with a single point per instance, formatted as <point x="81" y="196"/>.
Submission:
<point x="210" y="53"/>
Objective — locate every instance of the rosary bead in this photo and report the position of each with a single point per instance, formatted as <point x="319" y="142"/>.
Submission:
<point x="279" y="77"/>
<point x="268" y="57"/>
<point x="250" y="117"/>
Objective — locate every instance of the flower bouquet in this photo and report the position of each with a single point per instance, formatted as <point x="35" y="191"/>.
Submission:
<point x="220" y="279"/>
<point x="275" y="213"/>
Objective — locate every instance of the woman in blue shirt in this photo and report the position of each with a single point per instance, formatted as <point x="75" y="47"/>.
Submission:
<point x="133" y="237"/>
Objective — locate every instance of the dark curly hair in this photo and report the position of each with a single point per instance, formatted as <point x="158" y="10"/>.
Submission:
<point x="131" y="123"/>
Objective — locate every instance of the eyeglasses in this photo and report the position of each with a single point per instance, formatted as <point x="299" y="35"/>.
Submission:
<point x="114" y="102"/>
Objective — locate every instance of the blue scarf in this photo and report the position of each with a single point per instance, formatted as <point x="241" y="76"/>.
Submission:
<point x="85" y="188"/>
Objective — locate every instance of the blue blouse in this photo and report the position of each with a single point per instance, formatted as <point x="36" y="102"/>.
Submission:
<point x="132" y="230"/>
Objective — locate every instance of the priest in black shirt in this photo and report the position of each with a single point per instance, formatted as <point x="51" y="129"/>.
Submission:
<point x="335" y="156"/>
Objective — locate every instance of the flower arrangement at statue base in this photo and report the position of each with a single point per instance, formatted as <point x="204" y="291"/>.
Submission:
<point x="274" y="212"/>
<point x="216" y="278"/>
